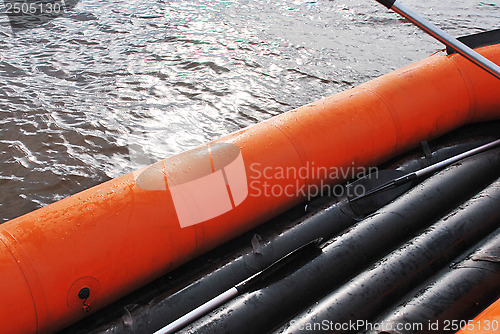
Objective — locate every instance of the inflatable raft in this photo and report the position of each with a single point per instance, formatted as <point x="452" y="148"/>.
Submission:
<point x="428" y="257"/>
<point x="75" y="256"/>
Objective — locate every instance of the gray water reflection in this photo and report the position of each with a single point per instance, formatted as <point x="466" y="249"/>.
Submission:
<point x="170" y="75"/>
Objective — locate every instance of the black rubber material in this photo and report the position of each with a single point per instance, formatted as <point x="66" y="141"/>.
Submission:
<point x="366" y="205"/>
<point x="166" y="309"/>
<point x="395" y="275"/>
<point x="387" y="3"/>
<point x="457" y="293"/>
<point x="222" y="275"/>
<point x="478" y="40"/>
<point x="354" y="250"/>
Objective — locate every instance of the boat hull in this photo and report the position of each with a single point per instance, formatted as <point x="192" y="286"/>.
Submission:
<point x="115" y="237"/>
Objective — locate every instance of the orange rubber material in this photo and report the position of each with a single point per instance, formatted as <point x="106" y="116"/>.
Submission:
<point x="487" y="322"/>
<point x="122" y="234"/>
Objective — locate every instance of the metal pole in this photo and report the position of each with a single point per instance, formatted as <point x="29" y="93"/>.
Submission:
<point x="442" y="164"/>
<point x="199" y="311"/>
<point x="443" y="37"/>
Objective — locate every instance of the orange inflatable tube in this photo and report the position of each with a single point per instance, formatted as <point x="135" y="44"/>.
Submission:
<point x="79" y="254"/>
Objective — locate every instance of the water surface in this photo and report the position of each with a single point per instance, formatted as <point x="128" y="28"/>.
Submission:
<point x="113" y="85"/>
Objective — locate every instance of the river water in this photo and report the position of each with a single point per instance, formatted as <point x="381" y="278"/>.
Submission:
<point x="113" y="85"/>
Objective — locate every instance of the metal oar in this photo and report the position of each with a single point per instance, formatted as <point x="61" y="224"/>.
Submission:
<point x="442" y="36"/>
<point x="406" y="178"/>
<point x="236" y="290"/>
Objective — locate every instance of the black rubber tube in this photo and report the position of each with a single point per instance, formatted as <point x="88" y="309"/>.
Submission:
<point x="248" y="261"/>
<point x="362" y="298"/>
<point x="245" y="262"/>
<point x="417" y="162"/>
<point x="352" y="251"/>
<point x="183" y="290"/>
<point x="452" y="297"/>
<point x="323" y="224"/>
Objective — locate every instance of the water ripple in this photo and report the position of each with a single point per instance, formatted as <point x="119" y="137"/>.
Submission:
<point x="114" y="85"/>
